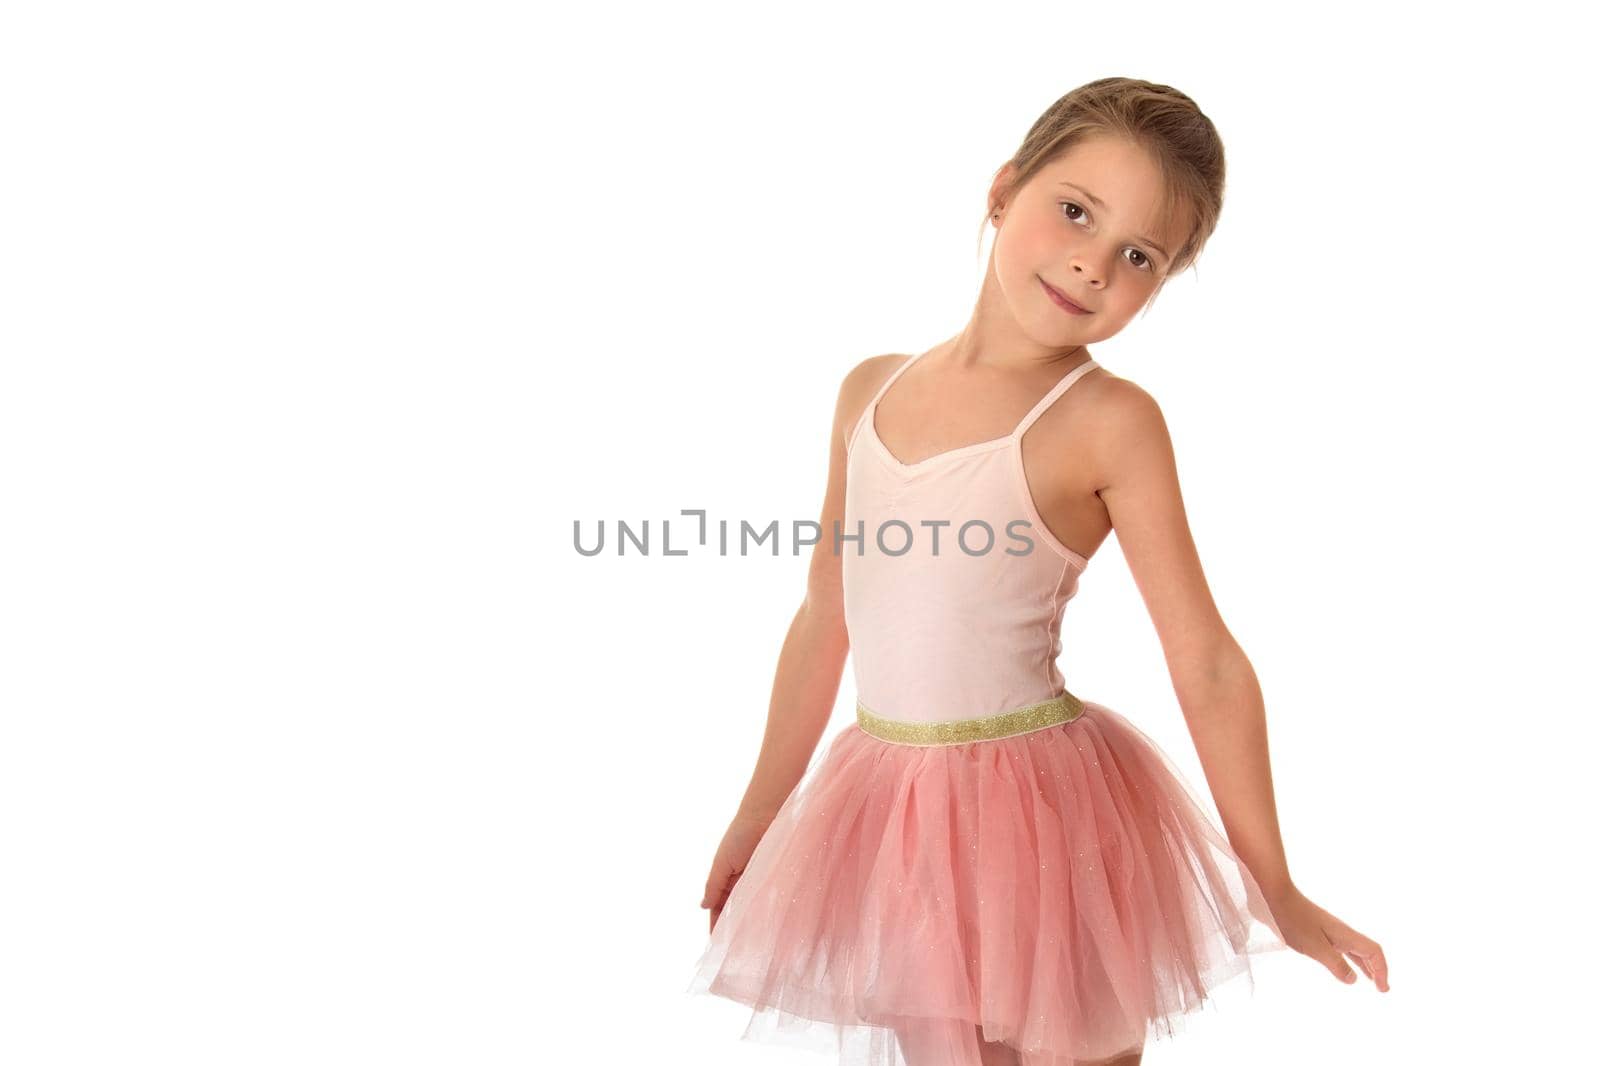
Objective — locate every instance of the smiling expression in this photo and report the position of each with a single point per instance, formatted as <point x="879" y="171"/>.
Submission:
<point x="1089" y="226"/>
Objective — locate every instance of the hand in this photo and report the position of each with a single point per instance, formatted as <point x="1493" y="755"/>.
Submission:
<point x="738" y="844"/>
<point x="1312" y="931"/>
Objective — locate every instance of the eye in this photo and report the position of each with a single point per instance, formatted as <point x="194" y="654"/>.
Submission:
<point x="1069" y="203"/>
<point x="1145" y="263"/>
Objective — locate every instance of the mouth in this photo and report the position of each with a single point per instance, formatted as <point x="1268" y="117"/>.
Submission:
<point x="1062" y="302"/>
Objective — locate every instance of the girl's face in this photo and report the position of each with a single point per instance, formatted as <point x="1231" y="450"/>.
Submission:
<point x="1088" y="225"/>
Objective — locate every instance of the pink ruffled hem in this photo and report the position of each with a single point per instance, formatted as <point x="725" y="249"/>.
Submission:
<point x="1060" y="891"/>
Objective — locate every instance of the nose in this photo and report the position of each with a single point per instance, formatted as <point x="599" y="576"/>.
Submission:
<point x="1087" y="272"/>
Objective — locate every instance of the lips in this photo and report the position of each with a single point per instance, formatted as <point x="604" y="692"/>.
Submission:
<point x="1062" y="301"/>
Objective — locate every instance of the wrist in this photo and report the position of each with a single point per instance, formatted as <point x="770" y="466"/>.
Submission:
<point x="755" y="815"/>
<point x="1277" y="888"/>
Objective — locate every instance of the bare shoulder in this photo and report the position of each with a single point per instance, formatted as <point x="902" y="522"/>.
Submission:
<point x="861" y="383"/>
<point x="871" y="372"/>
<point x="1122" y="410"/>
<point x="1128" y="427"/>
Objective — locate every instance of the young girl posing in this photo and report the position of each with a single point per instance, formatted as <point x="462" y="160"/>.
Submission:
<point x="985" y="868"/>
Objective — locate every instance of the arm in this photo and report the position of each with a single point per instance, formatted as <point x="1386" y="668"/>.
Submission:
<point x="812" y="660"/>
<point x="1214" y="682"/>
<point x="809" y="666"/>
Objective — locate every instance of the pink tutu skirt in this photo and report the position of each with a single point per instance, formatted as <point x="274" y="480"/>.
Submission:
<point x="1058" y="890"/>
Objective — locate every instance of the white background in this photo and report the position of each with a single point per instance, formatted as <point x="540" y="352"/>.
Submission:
<point x="322" y="323"/>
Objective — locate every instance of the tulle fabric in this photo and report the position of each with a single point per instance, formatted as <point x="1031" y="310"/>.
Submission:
<point x="1059" y="891"/>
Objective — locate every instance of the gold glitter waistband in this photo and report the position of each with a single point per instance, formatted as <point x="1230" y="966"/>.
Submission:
<point x="1062" y="708"/>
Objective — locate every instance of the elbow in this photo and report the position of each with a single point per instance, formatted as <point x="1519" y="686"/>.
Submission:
<point x="1213" y="669"/>
<point x="823" y="608"/>
<point x="1226" y="662"/>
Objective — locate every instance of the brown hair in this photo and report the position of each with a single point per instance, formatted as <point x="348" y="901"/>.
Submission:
<point x="1168" y="125"/>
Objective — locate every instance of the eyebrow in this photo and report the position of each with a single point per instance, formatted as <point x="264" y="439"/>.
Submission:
<point x="1093" y="199"/>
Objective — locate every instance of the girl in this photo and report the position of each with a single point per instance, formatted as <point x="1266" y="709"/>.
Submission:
<point x="985" y="868"/>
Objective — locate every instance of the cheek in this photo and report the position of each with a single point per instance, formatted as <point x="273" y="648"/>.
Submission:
<point x="1133" y="297"/>
<point x="1039" y="246"/>
<point x="1021" y="255"/>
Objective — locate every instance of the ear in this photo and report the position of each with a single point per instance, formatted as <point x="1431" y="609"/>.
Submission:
<point x="1000" y="189"/>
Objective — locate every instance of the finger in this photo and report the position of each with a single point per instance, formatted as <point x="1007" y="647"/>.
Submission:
<point x="1342" y="940"/>
<point x="1375" y="965"/>
<point x="1367" y="953"/>
<point x="1334" y="961"/>
<point x="717" y="886"/>
<point x="1341" y="969"/>
<point x="713" y="883"/>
